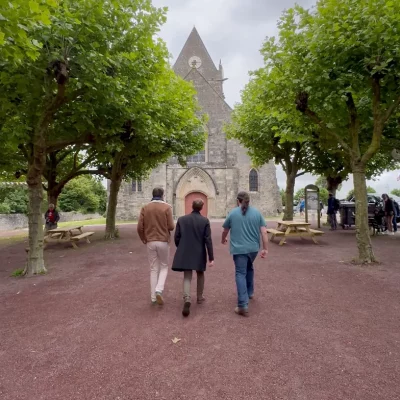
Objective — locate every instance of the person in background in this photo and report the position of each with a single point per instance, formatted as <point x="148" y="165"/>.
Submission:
<point x="332" y="209"/>
<point x="396" y="214"/>
<point x="389" y="213"/>
<point x="246" y="226"/>
<point x="154" y="227"/>
<point x="302" y="206"/>
<point x="193" y="242"/>
<point x="51" y="217"/>
<point x="321" y="208"/>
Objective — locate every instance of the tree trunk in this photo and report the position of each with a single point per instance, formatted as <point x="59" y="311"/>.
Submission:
<point x="333" y="184"/>
<point x="364" y="244"/>
<point x="35" y="262"/>
<point x="290" y="182"/>
<point x="52" y="195"/>
<point x="111" y="231"/>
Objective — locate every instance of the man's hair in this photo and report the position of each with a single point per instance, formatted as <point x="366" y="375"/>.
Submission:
<point x="198" y="205"/>
<point x="158" y="192"/>
<point x="244" y="200"/>
<point x="52" y="205"/>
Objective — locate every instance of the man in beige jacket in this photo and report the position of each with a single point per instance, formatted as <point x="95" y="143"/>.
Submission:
<point x="154" y="227"/>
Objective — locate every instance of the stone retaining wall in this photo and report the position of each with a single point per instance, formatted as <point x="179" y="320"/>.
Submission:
<point x="10" y="222"/>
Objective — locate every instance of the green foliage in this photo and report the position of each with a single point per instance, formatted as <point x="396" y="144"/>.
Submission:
<point x="13" y="199"/>
<point x="299" y="194"/>
<point x="330" y="63"/>
<point x="18" y="19"/>
<point x="5" y="208"/>
<point x="283" y="196"/>
<point x="395" y="192"/>
<point x="83" y="194"/>
<point x="323" y="196"/>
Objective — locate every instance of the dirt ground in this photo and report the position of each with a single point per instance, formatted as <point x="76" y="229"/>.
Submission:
<point x="318" y="329"/>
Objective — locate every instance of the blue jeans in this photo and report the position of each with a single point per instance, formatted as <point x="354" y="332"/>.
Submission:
<point x="244" y="277"/>
<point x="394" y="224"/>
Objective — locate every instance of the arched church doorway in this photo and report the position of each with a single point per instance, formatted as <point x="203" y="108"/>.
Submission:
<point x="193" y="196"/>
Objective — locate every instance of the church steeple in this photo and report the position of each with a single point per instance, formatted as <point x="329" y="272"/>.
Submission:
<point x="194" y="54"/>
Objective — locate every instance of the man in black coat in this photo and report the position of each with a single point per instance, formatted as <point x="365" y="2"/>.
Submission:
<point x="193" y="242"/>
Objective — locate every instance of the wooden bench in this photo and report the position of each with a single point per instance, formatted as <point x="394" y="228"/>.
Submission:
<point x="275" y="232"/>
<point x="316" y="233"/>
<point x="84" y="235"/>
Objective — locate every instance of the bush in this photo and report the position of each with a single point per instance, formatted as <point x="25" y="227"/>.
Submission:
<point x="5" y="208"/>
<point x="14" y="200"/>
<point x="84" y="194"/>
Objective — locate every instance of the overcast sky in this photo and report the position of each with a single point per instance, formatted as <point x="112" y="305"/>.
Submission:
<point x="233" y="31"/>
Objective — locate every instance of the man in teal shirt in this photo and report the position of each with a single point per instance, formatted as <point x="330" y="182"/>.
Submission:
<point x="246" y="226"/>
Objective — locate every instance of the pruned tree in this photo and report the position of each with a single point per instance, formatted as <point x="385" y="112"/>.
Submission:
<point x="340" y="65"/>
<point x="93" y="53"/>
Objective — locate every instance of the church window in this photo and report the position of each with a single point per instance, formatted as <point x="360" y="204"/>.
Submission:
<point x="199" y="157"/>
<point x="136" y="185"/>
<point x="253" y="181"/>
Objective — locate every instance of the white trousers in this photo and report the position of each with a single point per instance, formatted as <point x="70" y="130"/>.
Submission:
<point x="158" y="253"/>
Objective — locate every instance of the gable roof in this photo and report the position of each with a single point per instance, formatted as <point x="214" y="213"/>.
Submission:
<point x="194" y="46"/>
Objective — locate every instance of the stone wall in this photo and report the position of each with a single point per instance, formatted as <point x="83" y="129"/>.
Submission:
<point x="10" y="222"/>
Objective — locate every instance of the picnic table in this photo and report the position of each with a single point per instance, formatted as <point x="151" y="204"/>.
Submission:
<point x="300" y="229"/>
<point x="63" y="235"/>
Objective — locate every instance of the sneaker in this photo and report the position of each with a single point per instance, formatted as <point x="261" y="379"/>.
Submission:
<point x="251" y="297"/>
<point x="160" y="300"/>
<point x="201" y="300"/>
<point x="186" y="308"/>
<point x="242" y="311"/>
<point x="391" y="233"/>
<point x="153" y="302"/>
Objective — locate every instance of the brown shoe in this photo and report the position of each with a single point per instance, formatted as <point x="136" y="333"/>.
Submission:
<point x="201" y="300"/>
<point x="159" y="299"/>
<point x="242" y="311"/>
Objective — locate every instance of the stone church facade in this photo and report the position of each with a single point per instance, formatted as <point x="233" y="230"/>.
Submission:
<point x="215" y="174"/>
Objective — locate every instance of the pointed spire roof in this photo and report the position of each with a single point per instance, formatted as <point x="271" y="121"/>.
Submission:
<point x="194" y="47"/>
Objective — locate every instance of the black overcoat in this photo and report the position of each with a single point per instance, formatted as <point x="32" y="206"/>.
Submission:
<point x="193" y="241"/>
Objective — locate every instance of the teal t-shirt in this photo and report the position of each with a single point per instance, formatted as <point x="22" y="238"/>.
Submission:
<point x="244" y="230"/>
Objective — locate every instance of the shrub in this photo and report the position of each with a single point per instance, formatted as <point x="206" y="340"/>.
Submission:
<point x="84" y="194"/>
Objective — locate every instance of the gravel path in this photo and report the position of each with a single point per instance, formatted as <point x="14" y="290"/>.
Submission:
<point x="318" y="327"/>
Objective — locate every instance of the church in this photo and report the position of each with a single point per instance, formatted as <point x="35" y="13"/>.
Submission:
<point x="218" y="172"/>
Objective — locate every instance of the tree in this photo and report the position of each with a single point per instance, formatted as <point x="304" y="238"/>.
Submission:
<point x="173" y="130"/>
<point x="269" y="136"/>
<point x="395" y="192"/>
<point x="340" y="64"/>
<point x="88" y="61"/>
<point x="84" y="194"/>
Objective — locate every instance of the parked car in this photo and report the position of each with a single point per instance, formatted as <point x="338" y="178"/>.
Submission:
<point x="348" y="209"/>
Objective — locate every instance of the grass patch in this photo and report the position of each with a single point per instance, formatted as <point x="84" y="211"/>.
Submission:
<point x="17" y="273"/>
<point x="98" y="221"/>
